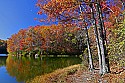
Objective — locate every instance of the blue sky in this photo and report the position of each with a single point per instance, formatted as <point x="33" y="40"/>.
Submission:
<point x="16" y="15"/>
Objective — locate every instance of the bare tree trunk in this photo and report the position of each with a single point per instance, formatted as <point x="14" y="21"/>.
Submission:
<point x="101" y="39"/>
<point x="97" y="39"/>
<point x="91" y="67"/>
<point x="89" y="51"/>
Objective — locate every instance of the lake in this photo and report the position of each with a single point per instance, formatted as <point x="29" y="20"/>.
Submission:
<point x="19" y="70"/>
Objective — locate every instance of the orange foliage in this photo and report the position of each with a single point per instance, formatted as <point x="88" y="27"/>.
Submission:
<point x="51" y="38"/>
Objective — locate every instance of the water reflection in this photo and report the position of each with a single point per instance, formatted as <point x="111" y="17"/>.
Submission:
<point x="3" y="60"/>
<point x="4" y="76"/>
<point x="26" y="68"/>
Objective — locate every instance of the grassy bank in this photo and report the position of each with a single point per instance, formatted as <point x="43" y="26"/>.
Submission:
<point x="79" y="74"/>
<point x="57" y="76"/>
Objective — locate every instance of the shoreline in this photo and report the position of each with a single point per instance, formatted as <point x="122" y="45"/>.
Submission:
<point x="56" y="76"/>
<point x="80" y="74"/>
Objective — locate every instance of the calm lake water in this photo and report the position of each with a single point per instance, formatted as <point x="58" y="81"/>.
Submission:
<point x="19" y="70"/>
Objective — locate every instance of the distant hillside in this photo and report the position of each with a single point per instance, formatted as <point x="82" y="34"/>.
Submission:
<point x="3" y="46"/>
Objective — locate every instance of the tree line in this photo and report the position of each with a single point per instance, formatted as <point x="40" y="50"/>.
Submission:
<point x="3" y="46"/>
<point x="54" y="39"/>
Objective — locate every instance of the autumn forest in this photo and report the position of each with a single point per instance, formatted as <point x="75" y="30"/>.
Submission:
<point x="93" y="30"/>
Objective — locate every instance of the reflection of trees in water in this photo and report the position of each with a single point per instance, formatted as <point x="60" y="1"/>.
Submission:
<point x="27" y="68"/>
<point x="3" y="61"/>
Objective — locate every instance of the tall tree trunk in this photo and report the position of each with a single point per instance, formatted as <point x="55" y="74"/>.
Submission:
<point x="97" y="39"/>
<point x="89" y="51"/>
<point x="91" y="67"/>
<point x="101" y="38"/>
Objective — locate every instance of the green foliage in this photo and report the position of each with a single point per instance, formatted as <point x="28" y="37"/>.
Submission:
<point x="116" y="47"/>
<point x="24" y="53"/>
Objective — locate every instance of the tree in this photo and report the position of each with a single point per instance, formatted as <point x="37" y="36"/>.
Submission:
<point x="67" y="11"/>
<point x="117" y="46"/>
<point x="3" y="46"/>
<point x="54" y="39"/>
<point x="91" y="67"/>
